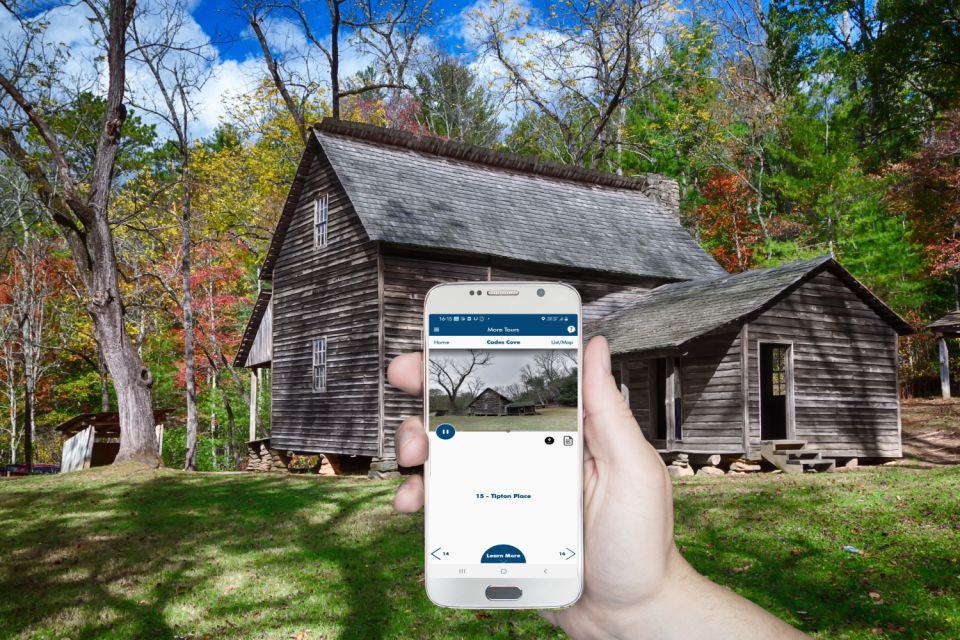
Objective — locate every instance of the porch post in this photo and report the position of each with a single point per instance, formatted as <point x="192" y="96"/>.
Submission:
<point x="944" y="368"/>
<point x="253" y="405"/>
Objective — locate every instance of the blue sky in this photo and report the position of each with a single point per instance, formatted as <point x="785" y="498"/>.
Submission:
<point x="223" y="24"/>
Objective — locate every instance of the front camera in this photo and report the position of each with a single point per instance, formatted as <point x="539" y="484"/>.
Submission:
<point x="541" y="293"/>
<point x="471" y="292"/>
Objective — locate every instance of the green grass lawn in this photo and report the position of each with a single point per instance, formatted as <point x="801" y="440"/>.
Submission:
<point x="545" y="419"/>
<point x="111" y="553"/>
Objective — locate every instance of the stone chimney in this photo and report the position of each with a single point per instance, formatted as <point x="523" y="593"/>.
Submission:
<point x="664" y="191"/>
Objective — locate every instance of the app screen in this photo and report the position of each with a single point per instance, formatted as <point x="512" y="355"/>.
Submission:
<point x="505" y="454"/>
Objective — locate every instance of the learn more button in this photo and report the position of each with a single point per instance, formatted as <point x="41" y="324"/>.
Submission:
<point x="502" y="553"/>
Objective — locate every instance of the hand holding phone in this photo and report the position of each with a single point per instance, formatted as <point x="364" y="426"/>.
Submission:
<point x="636" y="583"/>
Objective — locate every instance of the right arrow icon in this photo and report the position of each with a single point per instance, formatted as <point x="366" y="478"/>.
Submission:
<point x="572" y="553"/>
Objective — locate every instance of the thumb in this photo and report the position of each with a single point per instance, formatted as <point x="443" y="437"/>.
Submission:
<point x="609" y="426"/>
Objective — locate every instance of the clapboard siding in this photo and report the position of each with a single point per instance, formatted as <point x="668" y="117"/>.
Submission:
<point x="632" y="371"/>
<point x="844" y="370"/>
<point x="406" y="281"/>
<point x="329" y="292"/>
<point x="711" y="388"/>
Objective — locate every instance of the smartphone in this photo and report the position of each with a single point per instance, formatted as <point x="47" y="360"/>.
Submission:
<point x="504" y="479"/>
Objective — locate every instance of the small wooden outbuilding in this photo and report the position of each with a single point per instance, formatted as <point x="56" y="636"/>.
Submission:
<point x="946" y="327"/>
<point x="526" y="408"/>
<point x="489" y="402"/>
<point x="93" y="439"/>
<point x="800" y="352"/>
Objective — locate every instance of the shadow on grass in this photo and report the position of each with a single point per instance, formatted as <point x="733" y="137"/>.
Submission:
<point x="173" y="555"/>
<point x="781" y="544"/>
<point x="114" y="558"/>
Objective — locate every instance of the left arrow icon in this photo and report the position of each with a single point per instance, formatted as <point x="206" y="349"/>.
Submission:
<point x="434" y="553"/>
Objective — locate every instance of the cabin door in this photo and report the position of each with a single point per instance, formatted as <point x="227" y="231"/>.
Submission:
<point x="775" y="379"/>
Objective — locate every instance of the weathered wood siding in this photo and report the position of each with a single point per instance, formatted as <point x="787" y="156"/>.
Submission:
<point x="261" y="352"/>
<point x="632" y="371"/>
<point x="710" y="385"/>
<point x="845" y="370"/>
<point x="488" y="403"/>
<point x="332" y="292"/>
<point x="711" y="392"/>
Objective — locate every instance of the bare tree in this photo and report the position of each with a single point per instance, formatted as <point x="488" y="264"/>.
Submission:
<point x="451" y="374"/>
<point x="474" y="387"/>
<point x="388" y="30"/>
<point x="179" y="69"/>
<point x="574" y="66"/>
<point x="30" y="88"/>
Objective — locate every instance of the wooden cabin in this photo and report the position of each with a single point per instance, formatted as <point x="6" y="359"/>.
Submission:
<point x="376" y="217"/>
<point x="800" y="352"/>
<point x="489" y="402"/>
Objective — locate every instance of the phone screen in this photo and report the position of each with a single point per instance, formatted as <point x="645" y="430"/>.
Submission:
<point x="505" y="454"/>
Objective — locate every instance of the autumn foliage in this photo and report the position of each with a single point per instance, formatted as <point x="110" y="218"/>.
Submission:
<point x="725" y="225"/>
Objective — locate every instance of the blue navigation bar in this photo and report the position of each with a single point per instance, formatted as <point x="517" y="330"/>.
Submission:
<point x="503" y="324"/>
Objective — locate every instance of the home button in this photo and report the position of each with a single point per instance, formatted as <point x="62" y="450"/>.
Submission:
<point x="503" y="593"/>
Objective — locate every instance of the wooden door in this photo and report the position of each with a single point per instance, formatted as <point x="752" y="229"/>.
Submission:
<point x="774" y="381"/>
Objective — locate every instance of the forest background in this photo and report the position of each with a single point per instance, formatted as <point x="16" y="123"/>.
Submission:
<point x="794" y="129"/>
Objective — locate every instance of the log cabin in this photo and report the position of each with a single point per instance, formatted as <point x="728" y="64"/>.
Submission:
<point x="489" y="402"/>
<point x="375" y="217"/>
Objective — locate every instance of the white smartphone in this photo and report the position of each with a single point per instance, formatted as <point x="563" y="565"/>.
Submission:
<point x="504" y="479"/>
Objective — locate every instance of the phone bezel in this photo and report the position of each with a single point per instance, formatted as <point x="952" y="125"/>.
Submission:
<point x="454" y="297"/>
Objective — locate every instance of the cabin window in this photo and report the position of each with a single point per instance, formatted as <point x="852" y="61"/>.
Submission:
<point x="320" y="364"/>
<point x="321" y="211"/>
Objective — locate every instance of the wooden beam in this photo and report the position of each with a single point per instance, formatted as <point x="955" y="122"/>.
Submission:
<point x="253" y="405"/>
<point x="745" y="384"/>
<point x="944" y="368"/>
<point x="670" y="402"/>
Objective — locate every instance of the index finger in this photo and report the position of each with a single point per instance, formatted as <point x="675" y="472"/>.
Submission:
<point x="406" y="372"/>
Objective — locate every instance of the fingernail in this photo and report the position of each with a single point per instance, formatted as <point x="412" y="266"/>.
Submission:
<point x="607" y="363"/>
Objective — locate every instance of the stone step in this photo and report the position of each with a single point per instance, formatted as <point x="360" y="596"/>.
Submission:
<point x="783" y="445"/>
<point x="800" y="454"/>
<point x="809" y="465"/>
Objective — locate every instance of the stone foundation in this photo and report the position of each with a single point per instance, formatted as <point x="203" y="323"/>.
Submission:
<point x="260" y="457"/>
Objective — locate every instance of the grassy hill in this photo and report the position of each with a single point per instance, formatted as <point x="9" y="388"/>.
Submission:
<point x="120" y="553"/>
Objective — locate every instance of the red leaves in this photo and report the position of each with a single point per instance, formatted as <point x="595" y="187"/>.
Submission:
<point x="929" y="194"/>
<point x="726" y="228"/>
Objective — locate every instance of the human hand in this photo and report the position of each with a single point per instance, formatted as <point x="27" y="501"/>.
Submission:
<point x="634" y="576"/>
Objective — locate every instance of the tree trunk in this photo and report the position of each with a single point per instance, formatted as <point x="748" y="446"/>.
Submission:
<point x="131" y="379"/>
<point x="104" y="382"/>
<point x="83" y="216"/>
<point x="27" y="426"/>
<point x="335" y="59"/>
<point x="188" y="348"/>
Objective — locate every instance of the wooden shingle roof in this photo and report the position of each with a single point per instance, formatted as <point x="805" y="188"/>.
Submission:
<point x="426" y="192"/>
<point x="949" y="323"/>
<point x="672" y="315"/>
<point x="484" y="392"/>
